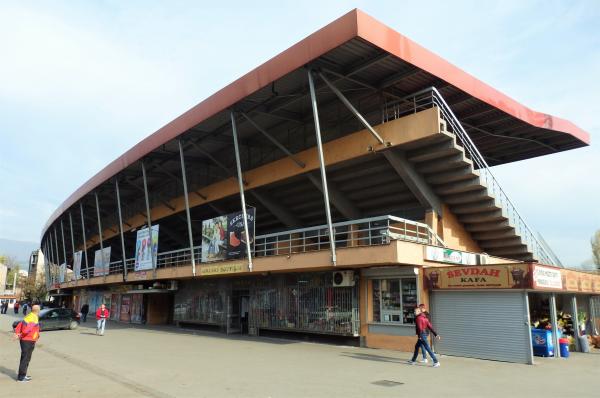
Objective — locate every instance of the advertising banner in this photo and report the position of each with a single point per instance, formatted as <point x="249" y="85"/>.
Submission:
<point x="224" y="238"/>
<point x="444" y="255"/>
<point x="514" y="276"/>
<point x="227" y="268"/>
<point x="77" y="264"/>
<point x="102" y="262"/>
<point x="146" y="247"/>
<point x="547" y="278"/>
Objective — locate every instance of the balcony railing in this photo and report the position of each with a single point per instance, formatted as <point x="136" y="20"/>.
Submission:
<point x="364" y="232"/>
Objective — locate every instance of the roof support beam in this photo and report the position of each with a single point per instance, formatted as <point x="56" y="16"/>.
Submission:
<point x="279" y="211"/>
<point x="274" y="141"/>
<point x="414" y="181"/>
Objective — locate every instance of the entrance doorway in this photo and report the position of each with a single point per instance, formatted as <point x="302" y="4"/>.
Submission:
<point x="238" y="312"/>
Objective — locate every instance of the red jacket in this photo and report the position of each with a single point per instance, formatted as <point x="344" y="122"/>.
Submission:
<point x="102" y="314"/>
<point x="29" y="328"/>
<point x="422" y="325"/>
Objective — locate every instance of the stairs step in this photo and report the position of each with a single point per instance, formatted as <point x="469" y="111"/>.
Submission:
<point x="470" y="185"/>
<point x="458" y="160"/>
<point x="475" y="207"/>
<point x="501" y="243"/>
<point x="452" y="175"/>
<point x="488" y="236"/>
<point x="435" y="151"/>
<point x="488" y="216"/>
<point x="510" y="252"/>
<point x="488" y="226"/>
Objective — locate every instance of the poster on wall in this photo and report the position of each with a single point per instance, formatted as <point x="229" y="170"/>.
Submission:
<point x="77" y="264"/>
<point x="224" y="238"/>
<point x="62" y="271"/>
<point x="478" y="277"/>
<point x="102" y="262"/>
<point x="145" y="247"/>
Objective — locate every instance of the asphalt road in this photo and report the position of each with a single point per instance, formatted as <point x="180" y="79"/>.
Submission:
<point x="163" y="362"/>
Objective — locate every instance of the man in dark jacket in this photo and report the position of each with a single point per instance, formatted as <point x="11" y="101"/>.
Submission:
<point x="422" y="328"/>
<point x="85" y="309"/>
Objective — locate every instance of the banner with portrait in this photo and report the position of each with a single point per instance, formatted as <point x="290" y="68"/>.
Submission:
<point x="102" y="262"/>
<point x="77" y="264"/>
<point x="224" y="237"/>
<point x="146" y="248"/>
<point x="62" y="272"/>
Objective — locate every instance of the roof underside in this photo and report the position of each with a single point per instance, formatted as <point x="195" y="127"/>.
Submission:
<point x="369" y="77"/>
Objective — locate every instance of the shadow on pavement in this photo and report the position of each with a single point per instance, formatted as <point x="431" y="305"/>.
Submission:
<point x="8" y="372"/>
<point x="371" y="357"/>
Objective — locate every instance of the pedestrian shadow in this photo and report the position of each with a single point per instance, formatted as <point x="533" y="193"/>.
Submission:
<point x="371" y="357"/>
<point x="8" y="372"/>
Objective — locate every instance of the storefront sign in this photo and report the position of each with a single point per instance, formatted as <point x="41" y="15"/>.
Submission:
<point x="596" y="283"/>
<point x="224" y="238"/>
<point x="139" y="276"/>
<point x="443" y="255"/>
<point x="145" y="247"/>
<point x="478" y="277"/>
<point x="227" y="268"/>
<point x="546" y="278"/>
<point x="585" y="283"/>
<point x="570" y="280"/>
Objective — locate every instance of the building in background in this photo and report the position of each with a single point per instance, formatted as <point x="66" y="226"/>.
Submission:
<point x="356" y="170"/>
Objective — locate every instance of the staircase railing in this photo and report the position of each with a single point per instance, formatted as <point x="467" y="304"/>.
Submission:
<point x="430" y="97"/>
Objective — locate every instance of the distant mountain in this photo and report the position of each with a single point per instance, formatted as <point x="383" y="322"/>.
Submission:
<point x="20" y="250"/>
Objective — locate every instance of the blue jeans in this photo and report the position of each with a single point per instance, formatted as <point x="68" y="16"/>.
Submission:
<point x="423" y="344"/>
<point x="100" y="326"/>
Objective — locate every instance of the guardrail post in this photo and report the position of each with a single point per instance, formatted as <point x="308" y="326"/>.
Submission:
<point x="313" y="97"/>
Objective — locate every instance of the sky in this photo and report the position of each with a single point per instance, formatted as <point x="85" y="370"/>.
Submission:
<point x="82" y="82"/>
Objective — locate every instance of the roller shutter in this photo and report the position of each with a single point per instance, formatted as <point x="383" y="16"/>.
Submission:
<point x="485" y="325"/>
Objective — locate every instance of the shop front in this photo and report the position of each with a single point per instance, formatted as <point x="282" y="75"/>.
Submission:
<point x="510" y="312"/>
<point x="299" y="302"/>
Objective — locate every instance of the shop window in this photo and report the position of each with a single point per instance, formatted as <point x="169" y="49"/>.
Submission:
<point x="394" y="300"/>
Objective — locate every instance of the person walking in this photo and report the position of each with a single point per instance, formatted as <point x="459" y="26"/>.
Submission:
<point x="27" y="332"/>
<point x="25" y="309"/>
<point x="16" y="308"/>
<point x="423" y="327"/>
<point x="85" y="309"/>
<point x="4" y="307"/>
<point x="102" y="315"/>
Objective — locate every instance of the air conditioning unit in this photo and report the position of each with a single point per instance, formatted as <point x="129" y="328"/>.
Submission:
<point x="343" y="278"/>
<point x="173" y="285"/>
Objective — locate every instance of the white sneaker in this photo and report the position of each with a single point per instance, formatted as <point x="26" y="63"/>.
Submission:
<point x="424" y="360"/>
<point x="436" y="365"/>
<point x="410" y="362"/>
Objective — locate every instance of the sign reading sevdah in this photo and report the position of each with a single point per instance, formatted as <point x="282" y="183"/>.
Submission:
<point x="478" y="277"/>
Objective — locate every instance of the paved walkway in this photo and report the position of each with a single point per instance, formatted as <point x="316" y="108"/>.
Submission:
<point x="167" y="362"/>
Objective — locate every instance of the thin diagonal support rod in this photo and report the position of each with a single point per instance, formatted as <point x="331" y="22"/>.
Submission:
<point x="72" y="237"/>
<point x="62" y="234"/>
<point x="313" y="98"/>
<point x="274" y="141"/>
<point x="241" y="184"/>
<point x="100" y="235"/>
<point x="118" y="193"/>
<point x="187" y="206"/>
<point x="148" y="219"/>
<point x="57" y="256"/>
<point x="351" y="108"/>
<point x="85" y="256"/>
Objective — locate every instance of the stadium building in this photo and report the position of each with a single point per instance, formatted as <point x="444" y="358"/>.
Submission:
<point x="356" y="169"/>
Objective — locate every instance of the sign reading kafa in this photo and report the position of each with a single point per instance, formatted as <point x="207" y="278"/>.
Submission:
<point x="478" y="277"/>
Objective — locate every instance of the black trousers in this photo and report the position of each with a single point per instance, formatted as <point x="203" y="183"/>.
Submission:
<point x="26" y="351"/>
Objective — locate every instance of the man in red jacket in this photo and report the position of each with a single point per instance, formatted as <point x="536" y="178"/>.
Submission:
<point x="102" y="315"/>
<point x="423" y="326"/>
<point x="27" y="332"/>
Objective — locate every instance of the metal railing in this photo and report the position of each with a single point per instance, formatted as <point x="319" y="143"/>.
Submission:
<point x="363" y="232"/>
<point x="431" y="97"/>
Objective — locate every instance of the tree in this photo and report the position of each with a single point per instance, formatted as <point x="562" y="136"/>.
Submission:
<point x="35" y="292"/>
<point x="596" y="248"/>
<point x="10" y="276"/>
<point x="9" y="261"/>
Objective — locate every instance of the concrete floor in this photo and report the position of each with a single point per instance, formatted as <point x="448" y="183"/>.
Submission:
<point x="166" y="362"/>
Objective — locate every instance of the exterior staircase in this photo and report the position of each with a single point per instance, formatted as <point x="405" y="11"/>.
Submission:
<point x="460" y="177"/>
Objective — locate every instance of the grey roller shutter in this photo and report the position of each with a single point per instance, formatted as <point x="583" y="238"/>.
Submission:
<point x="485" y="325"/>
